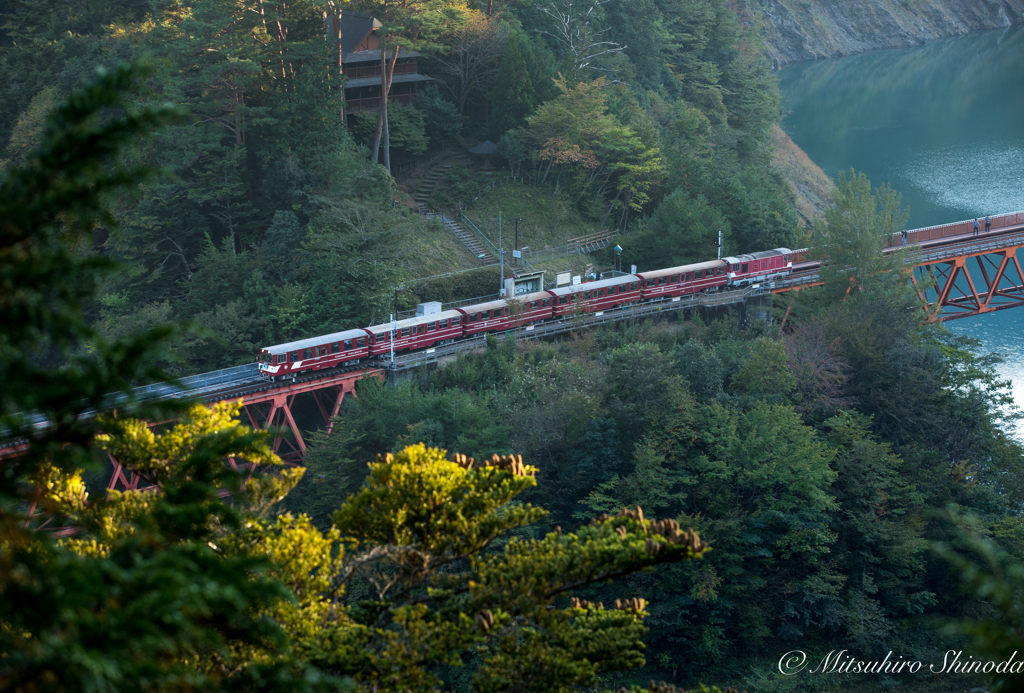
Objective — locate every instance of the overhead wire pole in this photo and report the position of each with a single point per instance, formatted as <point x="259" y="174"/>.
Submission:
<point x="501" y="253"/>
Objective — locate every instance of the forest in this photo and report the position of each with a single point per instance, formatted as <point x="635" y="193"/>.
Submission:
<point x="272" y="223"/>
<point x="657" y="505"/>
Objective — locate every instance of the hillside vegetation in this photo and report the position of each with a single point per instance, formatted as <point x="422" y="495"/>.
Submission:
<point x="273" y="222"/>
<point x="846" y="463"/>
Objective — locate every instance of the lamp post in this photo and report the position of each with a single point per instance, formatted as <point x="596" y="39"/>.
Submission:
<point x="618" y="257"/>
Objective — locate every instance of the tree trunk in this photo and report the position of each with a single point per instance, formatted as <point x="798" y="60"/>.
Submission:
<point x="387" y="74"/>
<point x="380" y="108"/>
<point x="387" y="140"/>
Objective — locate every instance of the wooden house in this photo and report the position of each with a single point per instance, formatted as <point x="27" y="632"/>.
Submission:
<point x="360" y="62"/>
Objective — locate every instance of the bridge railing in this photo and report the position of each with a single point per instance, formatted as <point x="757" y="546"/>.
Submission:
<point x="956" y="228"/>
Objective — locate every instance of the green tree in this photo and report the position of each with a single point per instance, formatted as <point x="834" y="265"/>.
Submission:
<point x="857" y="228"/>
<point x="138" y="607"/>
<point x="512" y="96"/>
<point x="683" y="230"/>
<point x="441" y="118"/>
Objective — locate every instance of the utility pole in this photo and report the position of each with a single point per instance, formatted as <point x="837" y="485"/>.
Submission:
<point x="516" y="246"/>
<point x="501" y="253"/>
<point x="719" y="244"/>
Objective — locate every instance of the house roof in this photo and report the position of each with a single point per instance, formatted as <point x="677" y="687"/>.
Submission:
<point x="354" y="28"/>
<point x="487" y="147"/>
<point x="375" y="81"/>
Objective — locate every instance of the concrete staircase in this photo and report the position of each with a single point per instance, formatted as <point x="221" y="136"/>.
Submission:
<point x="470" y="240"/>
<point x="426" y="188"/>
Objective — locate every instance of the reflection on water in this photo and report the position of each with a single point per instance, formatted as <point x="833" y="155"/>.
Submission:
<point x="956" y="177"/>
<point x="1001" y="332"/>
<point x="943" y="124"/>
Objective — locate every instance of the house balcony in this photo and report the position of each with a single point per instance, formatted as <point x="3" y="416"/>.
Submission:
<point x="372" y="103"/>
<point x="364" y="71"/>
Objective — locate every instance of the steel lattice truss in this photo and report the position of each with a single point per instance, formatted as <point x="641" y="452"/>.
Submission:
<point x="977" y="276"/>
<point x="274" y="409"/>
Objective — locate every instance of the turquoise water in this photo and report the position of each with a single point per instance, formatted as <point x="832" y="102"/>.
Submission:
<point x="942" y="123"/>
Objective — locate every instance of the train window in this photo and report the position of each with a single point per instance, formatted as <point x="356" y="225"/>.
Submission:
<point x="633" y="286"/>
<point x="443" y="325"/>
<point x="663" y="280"/>
<point x="335" y="347"/>
<point x="282" y="358"/>
<point x="674" y="279"/>
<point x="361" y="342"/>
<point x="431" y="326"/>
<point x="744" y="269"/>
<point x="404" y="332"/>
<point x="422" y="329"/>
<point x="474" y="317"/>
<point x="545" y="303"/>
<point x="307" y="353"/>
<point x="689" y="276"/>
<point x="786" y="258"/>
<point x="348" y="343"/>
<point x="296" y="356"/>
<point x="563" y="299"/>
<point x="504" y="311"/>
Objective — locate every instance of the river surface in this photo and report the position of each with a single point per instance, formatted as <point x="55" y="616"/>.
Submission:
<point x="943" y="124"/>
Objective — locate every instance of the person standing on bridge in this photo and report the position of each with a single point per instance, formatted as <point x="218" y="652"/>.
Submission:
<point x="975" y="228"/>
<point x="904" y="236"/>
<point x="988" y="223"/>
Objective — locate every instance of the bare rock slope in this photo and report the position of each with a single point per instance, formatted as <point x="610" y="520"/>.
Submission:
<point x="796" y="30"/>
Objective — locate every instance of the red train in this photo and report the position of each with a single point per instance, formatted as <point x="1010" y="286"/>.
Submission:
<point x="427" y="331"/>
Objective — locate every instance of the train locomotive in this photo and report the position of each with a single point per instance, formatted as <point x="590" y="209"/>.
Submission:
<point x="349" y="347"/>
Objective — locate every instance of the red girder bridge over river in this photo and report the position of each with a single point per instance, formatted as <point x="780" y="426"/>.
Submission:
<point x="969" y="275"/>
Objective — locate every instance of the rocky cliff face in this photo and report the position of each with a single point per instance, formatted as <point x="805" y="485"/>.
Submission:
<point x="796" y="30"/>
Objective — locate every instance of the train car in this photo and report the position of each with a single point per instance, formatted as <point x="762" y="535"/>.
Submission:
<point x="759" y="267"/>
<point x="500" y="315"/>
<point x="683" y="280"/>
<point x="420" y="332"/>
<point x="327" y="351"/>
<point x="594" y="297"/>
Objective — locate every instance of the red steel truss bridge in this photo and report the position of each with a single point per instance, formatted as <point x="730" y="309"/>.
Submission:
<point x="968" y="274"/>
<point x="265" y="405"/>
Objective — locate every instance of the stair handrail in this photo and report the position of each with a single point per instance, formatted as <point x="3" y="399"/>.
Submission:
<point x="479" y="234"/>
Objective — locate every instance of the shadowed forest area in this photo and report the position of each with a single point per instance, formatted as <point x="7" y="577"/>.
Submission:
<point x="668" y="501"/>
<point x="272" y="224"/>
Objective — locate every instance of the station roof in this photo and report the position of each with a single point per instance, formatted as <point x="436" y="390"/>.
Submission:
<point x="501" y="303"/>
<point x="314" y="341"/>
<point x="710" y="264"/>
<point x="416" y="320"/>
<point x="587" y="286"/>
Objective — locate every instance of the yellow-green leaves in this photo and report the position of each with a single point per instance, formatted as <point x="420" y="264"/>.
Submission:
<point x="204" y="434"/>
<point x="418" y="498"/>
